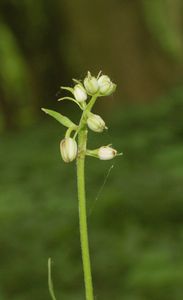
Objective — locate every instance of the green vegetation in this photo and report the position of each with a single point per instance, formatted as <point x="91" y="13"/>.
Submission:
<point x="135" y="222"/>
<point x="45" y="43"/>
<point x="164" y="24"/>
<point x="135" y="218"/>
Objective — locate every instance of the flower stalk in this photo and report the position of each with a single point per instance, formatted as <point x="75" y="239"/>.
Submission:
<point x="82" y="148"/>
<point x="82" y="141"/>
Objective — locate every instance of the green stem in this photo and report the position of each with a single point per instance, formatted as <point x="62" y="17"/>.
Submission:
<point x="82" y="140"/>
<point x="91" y="103"/>
<point x="84" y="115"/>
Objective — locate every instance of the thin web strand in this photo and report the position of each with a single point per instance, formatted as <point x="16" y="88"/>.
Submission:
<point x="101" y="189"/>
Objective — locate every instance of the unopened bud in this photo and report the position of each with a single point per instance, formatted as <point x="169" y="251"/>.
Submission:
<point x="106" y="86"/>
<point x="68" y="149"/>
<point x="79" y="93"/>
<point x="96" y="123"/>
<point x="91" y="84"/>
<point x="106" y="153"/>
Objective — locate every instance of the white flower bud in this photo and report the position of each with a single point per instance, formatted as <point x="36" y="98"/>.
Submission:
<point x="91" y="84"/>
<point x="68" y="149"/>
<point x="106" y="86"/>
<point x="79" y="93"/>
<point x="96" y="123"/>
<point x="106" y="153"/>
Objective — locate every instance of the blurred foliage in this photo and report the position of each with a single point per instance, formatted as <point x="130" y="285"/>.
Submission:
<point x="164" y="18"/>
<point x="32" y="59"/>
<point x="14" y="80"/>
<point x="135" y="221"/>
<point x="44" y="43"/>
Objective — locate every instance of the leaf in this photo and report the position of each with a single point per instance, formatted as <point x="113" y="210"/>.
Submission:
<point x="67" y="89"/>
<point x="76" y="81"/>
<point x="71" y="99"/>
<point x="99" y="74"/>
<point x="50" y="283"/>
<point x="60" y="118"/>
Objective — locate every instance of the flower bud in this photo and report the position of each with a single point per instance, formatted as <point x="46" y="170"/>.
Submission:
<point x="68" y="149"/>
<point x="96" y="123"/>
<point x="106" y="86"/>
<point x="91" y="84"/>
<point x="106" y="153"/>
<point x="79" y="93"/>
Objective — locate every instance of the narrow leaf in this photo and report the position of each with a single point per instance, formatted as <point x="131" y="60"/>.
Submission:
<point x="60" y="118"/>
<point x="99" y="74"/>
<point x="76" y="81"/>
<point x="50" y="283"/>
<point x="71" y="99"/>
<point x="67" y="88"/>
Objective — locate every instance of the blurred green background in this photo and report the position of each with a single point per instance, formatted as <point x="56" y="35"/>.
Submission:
<point x="136" y="218"/>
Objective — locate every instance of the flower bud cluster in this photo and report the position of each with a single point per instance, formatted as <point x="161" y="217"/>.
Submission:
<point x="99" y="86"/>
<point x="102" y="85"/>
<point x="91" y="86"/>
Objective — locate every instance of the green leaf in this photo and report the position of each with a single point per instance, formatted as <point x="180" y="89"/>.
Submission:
<point x="60" y="118"/>
<point x="71" y="99"/>
<point x="67" y="88"/>
<point x="50" y="283"/>
<point x="76" y="81"/>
